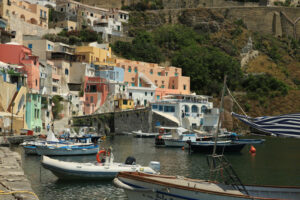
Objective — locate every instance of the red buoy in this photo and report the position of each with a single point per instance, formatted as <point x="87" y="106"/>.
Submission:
<point x="182" y="148"/>
<point x="252" y="149"/>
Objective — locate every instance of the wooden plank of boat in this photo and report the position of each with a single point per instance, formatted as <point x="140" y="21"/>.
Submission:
<point x="184" y="188"/>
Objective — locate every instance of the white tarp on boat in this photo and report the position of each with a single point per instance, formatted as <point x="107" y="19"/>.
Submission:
<point x="51" y="137"/>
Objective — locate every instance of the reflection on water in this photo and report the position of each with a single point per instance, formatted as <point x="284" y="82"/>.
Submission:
<point x="277" y="162"/>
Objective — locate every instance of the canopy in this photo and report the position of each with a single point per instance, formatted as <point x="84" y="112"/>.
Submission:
<point x="284" y="125"/>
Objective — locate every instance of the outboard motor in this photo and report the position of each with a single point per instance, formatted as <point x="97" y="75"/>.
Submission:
<point x="130" y="160"/>
<point x="155" y="165"/>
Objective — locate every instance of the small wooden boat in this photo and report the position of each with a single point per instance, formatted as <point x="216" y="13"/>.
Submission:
<point x="249" y="141"/>
<point x="141" y="134"/>
<point x="96" y="170"/>
<point x="67" y="150"/>
<point x="145" y="186"/>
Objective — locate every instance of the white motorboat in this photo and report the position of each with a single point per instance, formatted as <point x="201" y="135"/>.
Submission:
<point x="141" y="134"/>
<point x="144" y="186"/>
<point x="67" y="149"/>
<point x="96" y="170"/>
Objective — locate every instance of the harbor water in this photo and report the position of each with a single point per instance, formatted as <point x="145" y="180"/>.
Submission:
<point x="276" y="162"/>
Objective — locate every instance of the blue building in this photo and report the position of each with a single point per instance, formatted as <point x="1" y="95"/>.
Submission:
<point x="110" y="73"/>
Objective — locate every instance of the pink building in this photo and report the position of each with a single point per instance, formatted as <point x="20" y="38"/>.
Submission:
<point x="168" y="80"/>
<point x="95" y="93"/>
<point x="22" y="56"/>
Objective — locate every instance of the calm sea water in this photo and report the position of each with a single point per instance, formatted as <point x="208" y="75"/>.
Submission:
<point x="277" y="162"/>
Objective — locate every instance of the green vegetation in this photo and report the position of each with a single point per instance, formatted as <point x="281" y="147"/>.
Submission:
<point x="144" y="5"/>
<point x="206" y="60"/>
<point x="75" y="37"/>
<point x="58" y="107"/>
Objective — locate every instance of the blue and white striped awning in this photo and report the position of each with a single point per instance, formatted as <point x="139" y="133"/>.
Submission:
<point x="283" y="125"/>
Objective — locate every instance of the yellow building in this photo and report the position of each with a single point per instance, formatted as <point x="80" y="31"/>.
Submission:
<point x="12" y="105"/>
<point x="124" y="104"/>
<point x="97" y="54"/>
<point x="66" y="24"/>
<point x="30" y="13"/>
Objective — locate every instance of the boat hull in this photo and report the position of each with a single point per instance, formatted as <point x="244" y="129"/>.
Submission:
<point x="89" y="171"/>
<point x="52" y="151"/>
<point x="208" y="148"/>
<point x="141" y="186"/>
<point x="144" y="135"/>
<point x="30" y="150"/>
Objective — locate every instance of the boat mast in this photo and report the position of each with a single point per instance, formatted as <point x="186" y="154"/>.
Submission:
<point x="219" y="121"/>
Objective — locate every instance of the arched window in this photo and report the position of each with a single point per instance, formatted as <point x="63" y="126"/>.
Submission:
<point x="186" y="108"/>
<point x="66" y="72"/>
<point x="194" y="109"/>
<point x="203" y="109"/>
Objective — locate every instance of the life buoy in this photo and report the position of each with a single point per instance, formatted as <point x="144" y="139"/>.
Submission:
<point x="100" y="153"/>
<point x="161" y="131"/>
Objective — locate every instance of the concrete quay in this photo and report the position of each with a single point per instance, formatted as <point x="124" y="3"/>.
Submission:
<point x="13" y="182"/>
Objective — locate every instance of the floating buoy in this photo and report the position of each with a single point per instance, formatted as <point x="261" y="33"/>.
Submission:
<point x="252" y="149"/>
<point x="182" y="148"/>
<point x="159" y="137"/>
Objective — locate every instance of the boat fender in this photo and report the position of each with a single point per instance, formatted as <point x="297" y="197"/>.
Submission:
<point x="100" y="159"/>
<point x="252" y="149"/>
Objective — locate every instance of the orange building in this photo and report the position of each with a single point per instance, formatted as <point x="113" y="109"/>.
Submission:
<point x="13" y="53"/>
<point x="168" y="80"/>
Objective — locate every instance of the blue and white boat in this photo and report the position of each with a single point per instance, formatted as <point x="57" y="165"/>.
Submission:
<point x="67" y="149"/>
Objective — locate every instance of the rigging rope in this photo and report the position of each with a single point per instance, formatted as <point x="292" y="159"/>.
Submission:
<point x="236" y="101"/>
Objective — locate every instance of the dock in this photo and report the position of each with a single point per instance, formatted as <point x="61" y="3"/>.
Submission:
<point x="13" y="182"/>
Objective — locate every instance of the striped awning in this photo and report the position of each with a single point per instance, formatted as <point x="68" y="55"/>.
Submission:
<point x="283" y="125"/>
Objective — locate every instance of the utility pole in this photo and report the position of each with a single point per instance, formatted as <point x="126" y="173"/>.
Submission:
<point x="12" y="118"/>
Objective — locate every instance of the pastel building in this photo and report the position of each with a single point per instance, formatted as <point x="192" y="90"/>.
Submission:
<point x="110" y="73"/>
<point x="165" y="80"/>
<point x="95" y="94"/>
<point x="31" y="13"/>
<point x="13" y="53"/>
<point x="34" y="112"/>
<point x="94" y="53"/>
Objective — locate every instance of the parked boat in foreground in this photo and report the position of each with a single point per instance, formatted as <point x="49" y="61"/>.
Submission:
<point x="144" y="186"/>
<point x="97" y="170"/>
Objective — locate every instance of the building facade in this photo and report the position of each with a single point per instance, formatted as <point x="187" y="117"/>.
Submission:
<point x="33" y="112"/>
<point x="20" y="55"/>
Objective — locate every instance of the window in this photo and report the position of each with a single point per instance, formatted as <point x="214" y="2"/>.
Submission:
<point x="159" y="73"/>
<point x="54" y="89"/>
<point x="92" y="14"/>
<point x="151" y="94"/>
<point x="157" y="97"/>
<point x="68" y="5"/>
<point x="184" y="87"/>
<point x="129" y="69"/>
<point x="160" y="108"/>
<point x="162" y="86"/>
<point x="145" y="93"/>
<point x="117" y="76"/>
<point x="36" y="82"/>
<point x="62" y="10"/>
<point x="176" y="74"/>
<point x="135" y="70"/>
<point x="49" y="47"/>
<point x="92" y="99"/>
<point x="151" y="71"/>
<point x="145" y="102"/>
<point x="166" y="73"/>
<point x="186" y="108"/>
<point x="203" y="109"/>
<point x="30" y="46"/>
<point x="130" y="94"/>
<point x="41" y="13"/>
<point x="45" y="14"/>
<point x="154" y="107"/>
<point x="194" y="109"/>
<point x="66" y="72"/>
<point x="125" y="102"/>
<point x="173" y="86"/>
<point x="132" y="84"/>
<point x="82" y="13"/>
<point x="169" y="108"/>
<point x="48" y="113"/>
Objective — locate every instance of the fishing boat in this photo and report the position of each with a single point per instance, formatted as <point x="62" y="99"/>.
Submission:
<point x="67" y="149"/>
<point x="140" y="134"/>
<point x="221" y="146"/>
<point x="101" y="170"/>
<point x="144" y="186"/>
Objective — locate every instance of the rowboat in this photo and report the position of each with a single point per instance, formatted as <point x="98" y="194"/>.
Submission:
<point x="221" y="146"/>
<point x="96" y="170"/>
<point x="144" y="186"/>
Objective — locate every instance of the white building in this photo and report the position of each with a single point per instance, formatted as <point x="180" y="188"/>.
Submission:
<point x="141" y="96"/>
<point x="108" y="27"/>
<point x="186" y="110"/>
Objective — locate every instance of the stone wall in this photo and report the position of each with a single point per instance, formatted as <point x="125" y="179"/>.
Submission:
<point x="24" y="28"/>
<point x="141" y="119"/>
<point x="267" y="20"/>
